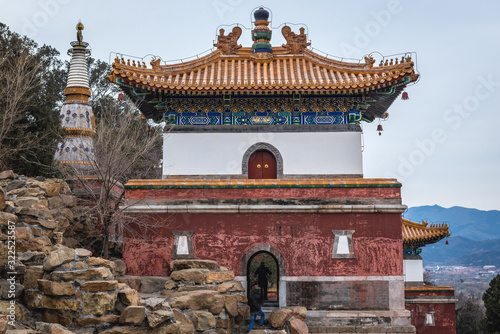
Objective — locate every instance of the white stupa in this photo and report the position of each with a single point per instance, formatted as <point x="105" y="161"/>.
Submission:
<point x="77" y="118"/>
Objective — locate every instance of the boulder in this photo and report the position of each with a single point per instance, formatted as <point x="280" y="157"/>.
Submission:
<point x="192" y="264"/>
<point x="158" y="311"/>
<point x="82" y="274"/>
<point x="35" y="299"/>
<point x="54" y="317"/>
<point x="40" y="244"/>
<point x="299" y="312"/>
<point x="223" y="323"/>
<point x="108" y="318"/>
<point x="100" y="262"/>
<point x="203" y="320"/>
<point x="198" y="300"/>
<point x="197" y="276"/>
<point x="20" y="311"/>
<point x="60" y="255"/>
<point x="165" y="329"/>
<point x="31" y="276"/>
<point x="56" y="203"/>
<point x="15" y="184"/>
<point x="98" y="303"/>
<point x="129" y="297"/>
<point x="51" y="288"/>
<point x="134" y="315"/>
<point x="169" y="285"/>
<point x="241" y="298"/>
<point x="99" y="285"/>
<point x="279" y="317"/>
<point x="3" y="254"/>
<point x="230" y="287"/>
<point x="297" y="326"/>
<point x="82" y="252"/>
<point x="37" y="211"/>
<point x="2" y="199"/>
<point x="120" y="268"/>
<point x="6" y="217"/>
<point x="151" y="284"/>
<point x="26" y="192"/>
<point x="23" y="233"/>
<point x="219" y="276"/>
<point x="51" y="328"/>
<point x="132" y="281"/>
<point x="68" y="200"/>
<point x="196" y="288"/>
<point x="7" y="174"/>
<point x="51" y="188"/>
<point x="51" y="224"/>
<point x="243" y="313"/>
<point x="27" y="202"/>
<point x="5" y="290"/>
<point x="231" y="304"/>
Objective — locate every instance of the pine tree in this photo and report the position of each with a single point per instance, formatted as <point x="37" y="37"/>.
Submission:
<point x="491" y="298"/>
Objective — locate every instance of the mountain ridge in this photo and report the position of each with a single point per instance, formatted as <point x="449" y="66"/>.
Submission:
<point x="475" y="235"/>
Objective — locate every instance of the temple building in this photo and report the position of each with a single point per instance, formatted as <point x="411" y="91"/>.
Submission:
<point x="432" y="307"/>
<point x="263" y="157"/>
<point x="77" y="118"/>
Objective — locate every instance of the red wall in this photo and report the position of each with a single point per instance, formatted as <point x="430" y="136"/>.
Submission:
<point x="374" y="194"/>
<point x="304" y="240"/>
<point x="444" y="313"/>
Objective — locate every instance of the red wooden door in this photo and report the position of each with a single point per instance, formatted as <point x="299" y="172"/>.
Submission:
<point x="262" y="165"/>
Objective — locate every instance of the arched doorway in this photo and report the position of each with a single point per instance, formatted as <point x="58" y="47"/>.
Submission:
<point x="262" y="165"/>
<point x="264" y="265"/>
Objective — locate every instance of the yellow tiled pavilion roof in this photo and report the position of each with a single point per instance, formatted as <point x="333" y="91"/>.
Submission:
<point x="240" y="71"/>
<point x="420" y="234"/>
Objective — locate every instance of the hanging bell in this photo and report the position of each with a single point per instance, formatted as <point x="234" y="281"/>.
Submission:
<point x="380" y="129"/>
<point x="447" y="243"/>
<point x="120" y="98"/>
<point x="405" y="96"/>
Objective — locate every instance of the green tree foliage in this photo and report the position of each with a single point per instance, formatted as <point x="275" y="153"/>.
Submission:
<point x="491" y="299"/>
<point x="31" y="92"/>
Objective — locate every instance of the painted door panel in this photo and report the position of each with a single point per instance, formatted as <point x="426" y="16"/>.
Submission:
<point x="262" y="165"/>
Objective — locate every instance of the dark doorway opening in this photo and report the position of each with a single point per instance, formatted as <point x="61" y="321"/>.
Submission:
<point x="254" y="266"/>
<point x="262" y="165"/>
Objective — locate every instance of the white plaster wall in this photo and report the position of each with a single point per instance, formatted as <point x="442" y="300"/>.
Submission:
<point x="413" y="270"/>
<point x="222" y="153"/>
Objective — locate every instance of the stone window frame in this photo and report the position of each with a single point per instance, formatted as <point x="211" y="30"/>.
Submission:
<point x="430" y="319"/>
<point x="337" y="234"/>
<point x="188" y="235"/>
<point x="262" y="146"/>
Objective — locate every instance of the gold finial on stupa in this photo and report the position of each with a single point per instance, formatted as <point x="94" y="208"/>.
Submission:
<point x="79" y="28"/>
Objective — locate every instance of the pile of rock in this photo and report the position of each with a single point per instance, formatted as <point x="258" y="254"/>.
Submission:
<point x="200" y="296"/>
<point x="43" y="212"/>
<point x="289" y="319"/>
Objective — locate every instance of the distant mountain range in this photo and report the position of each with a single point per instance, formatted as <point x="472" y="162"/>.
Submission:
<point x="475" y="235"/>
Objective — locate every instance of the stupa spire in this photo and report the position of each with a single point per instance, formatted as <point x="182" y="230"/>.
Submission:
<point x="77" y="118"/>
<point x="261" y="34"/>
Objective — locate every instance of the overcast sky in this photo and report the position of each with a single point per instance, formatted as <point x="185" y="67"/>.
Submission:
<point x="443" y="143"/>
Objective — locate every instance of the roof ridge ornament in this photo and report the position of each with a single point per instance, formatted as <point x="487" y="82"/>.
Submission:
<point x="295" y="44"/>
<point x="228" y="45"/>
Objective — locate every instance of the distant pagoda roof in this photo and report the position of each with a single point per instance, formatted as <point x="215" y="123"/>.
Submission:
<point x="417" y="235"/>
<point x="263" y="69"/>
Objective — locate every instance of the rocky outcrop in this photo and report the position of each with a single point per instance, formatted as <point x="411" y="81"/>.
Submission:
<point x="291" y="318"/>
<point x="60" y="287"/>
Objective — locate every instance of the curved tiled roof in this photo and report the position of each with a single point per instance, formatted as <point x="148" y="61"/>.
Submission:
<point x="307" y="71"/>
<point x="420" y="234"/>
<point x="280" y="71"/>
